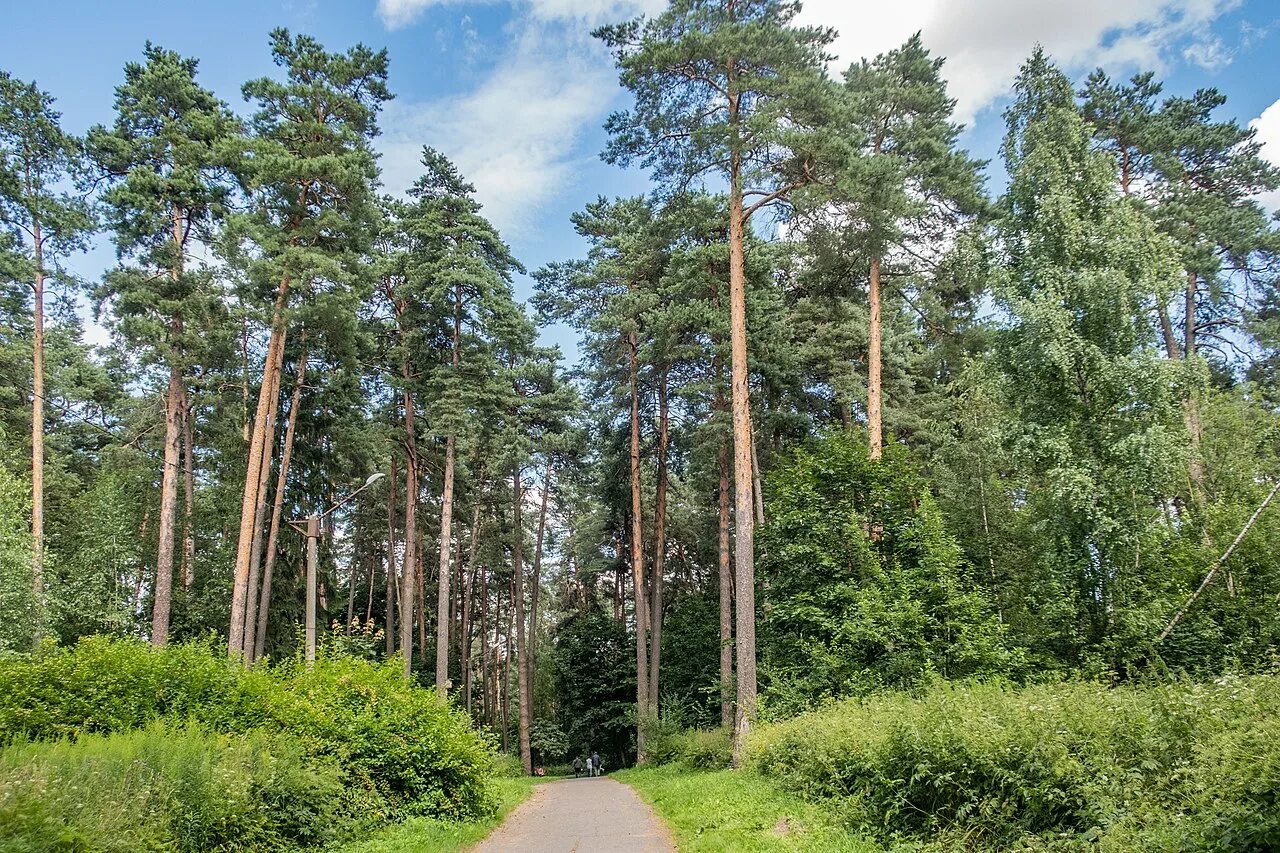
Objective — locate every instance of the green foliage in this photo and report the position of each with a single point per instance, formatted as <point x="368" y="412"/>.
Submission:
<point x="166" y="788"/>
<point x="594" y="673"/>
<point x="399" y="748"/>
<point x="694" y="749"/>
<point x="866" y="589"/>
<point x="1072" y="762"/>
<point x="17" y="605"/>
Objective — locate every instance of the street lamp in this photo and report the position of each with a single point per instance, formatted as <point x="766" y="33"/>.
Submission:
<point x="310" y="528"/>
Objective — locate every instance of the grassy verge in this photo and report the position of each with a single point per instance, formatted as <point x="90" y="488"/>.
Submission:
<point x="739" y="811"/>
<point x="430" y="835"/>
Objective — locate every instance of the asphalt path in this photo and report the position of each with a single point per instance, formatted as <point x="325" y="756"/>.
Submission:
<point x="581" y="816"/>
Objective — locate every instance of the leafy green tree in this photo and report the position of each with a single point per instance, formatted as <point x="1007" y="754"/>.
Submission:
<point x="164" y="157"/>
<point x="45" y="221"/>
<point x="866" y="588"/>
<point x="903" y="186"/>
<point x="1091" y="408"/>
<point x="310" y="173"/>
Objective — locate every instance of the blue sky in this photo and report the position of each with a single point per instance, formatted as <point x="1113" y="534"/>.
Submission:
<point x="516" y="90"/>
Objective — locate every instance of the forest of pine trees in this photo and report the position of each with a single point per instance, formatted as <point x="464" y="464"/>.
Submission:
<point x="846" y="418"/>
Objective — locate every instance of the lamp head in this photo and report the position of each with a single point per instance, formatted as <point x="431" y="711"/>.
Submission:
<point x="374" y="477"/>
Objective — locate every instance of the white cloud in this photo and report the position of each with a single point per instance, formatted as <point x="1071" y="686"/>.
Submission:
<point x="400" y="13"/>
<point x="985" y="41"/>
<point x="1268" y="127"/>
<point x="515" y="135"/>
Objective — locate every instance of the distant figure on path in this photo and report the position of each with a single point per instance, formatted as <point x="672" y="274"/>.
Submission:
<point x="577" y="767"/>
<point x="595" y="764"/>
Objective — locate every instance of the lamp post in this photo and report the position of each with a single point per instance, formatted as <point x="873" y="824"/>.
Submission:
<point x="310" y="528"/>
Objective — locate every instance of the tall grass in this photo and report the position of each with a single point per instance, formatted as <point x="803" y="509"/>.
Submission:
<point x="166" y="788"/>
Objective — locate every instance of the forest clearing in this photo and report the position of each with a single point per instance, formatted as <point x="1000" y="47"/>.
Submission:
<point x="859" y="464"/>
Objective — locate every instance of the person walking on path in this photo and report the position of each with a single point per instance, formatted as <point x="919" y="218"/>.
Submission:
<point x="595" y="763"/>
<point x="577" y="767"/>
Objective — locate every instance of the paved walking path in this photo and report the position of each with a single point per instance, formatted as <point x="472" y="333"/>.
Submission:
<point x="581" y="816"/>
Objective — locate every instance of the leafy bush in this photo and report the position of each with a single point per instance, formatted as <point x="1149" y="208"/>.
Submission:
<point x="695" y="749"/>
<point x="995" y="767"/>
<point x="165" y="788"/>
<point x="401" y="750"/>
<point x="865" y="588"/>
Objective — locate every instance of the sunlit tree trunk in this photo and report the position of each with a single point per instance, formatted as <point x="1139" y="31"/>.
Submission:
<point x="522" y="644"/>
<point x="744" y="519"/>
<point x="726" y="578"/>
<point x="875" y="427"/>
<point x="188" y="493"/>
<point x="389" y="617"/>
<point x="535" y="581"/>
<point x="259" y="518"/>
<point x="637" y="551"/>
<point x="659" y="545"/>
<point x="37" y="432"/>
<point x="410" y="526"/>
<point x="253" y="474"/>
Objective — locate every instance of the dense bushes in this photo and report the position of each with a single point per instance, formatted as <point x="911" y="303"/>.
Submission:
<point x="865" y="589"/>
<point x="1133" y="768"/>
<point x="398" y="749"/>
<point x="166" y="788"/>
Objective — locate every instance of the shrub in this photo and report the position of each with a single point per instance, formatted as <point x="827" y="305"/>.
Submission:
<point x="400" y="749"/>
<point x="695" y="749"/>
<point x="996" y="766"/>
<point x="165" y="788"/>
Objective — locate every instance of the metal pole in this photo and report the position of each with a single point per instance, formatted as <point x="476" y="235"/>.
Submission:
<point x="313" y="539"/>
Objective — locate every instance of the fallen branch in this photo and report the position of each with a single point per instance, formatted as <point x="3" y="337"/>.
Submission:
<point x="1182" y="611"/>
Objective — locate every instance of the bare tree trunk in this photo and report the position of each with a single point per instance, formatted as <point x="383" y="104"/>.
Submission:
<point x="420" y="578"/>
<point x="659" y="546"/>
<point x="875" y="429"/>
<point x="535" y="582"/>
<point x="522" y="645"/>
<point x="1171" y="349"/>
<point x="486" y="706"/>
<point x="390" y="611"/>
<point x="163" y="599"/>
<point x="446" y="550"/>
<point x="744" y="519"/>
<point x="188" y="493"/>
<point x="637" y="552"/>
<point x="726" y="582"/>
<point x="505" y="685"/>
<point x="253" y="474"/>
<point x="260" y="515"/>
<point x="37" y="433"/>
<point x="368" y="598"/>
<point x="469" y="584"/>
<point x="410" y="527"/>
<point x="171" y="468"/>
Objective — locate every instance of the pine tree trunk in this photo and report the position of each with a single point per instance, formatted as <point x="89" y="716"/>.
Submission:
<point x="486" y="709"/>
<point x="726" y="582"/>
<point x="420" y="579"/>
<point x="522" y="645"/>
<point x="389" y="615"/>
<point x="744" y="519"/>
<point x="442" y="592"/>
<point x="535" y="582"/>
<point x="410" y="526"/>
<point x="253" y="473"/>
<point x="188" y="493"/>
<point x="505" y="685"/>
<point x="169" y="474"/>
<point x="659" y="546"/>
<point x="163" y="598"/>
<point x="37" y="434"/>
<point x="637" y="553"/>
<point x="260" y="516"/>
<point x="875" y="429"/>
<point x="468" y="595"/>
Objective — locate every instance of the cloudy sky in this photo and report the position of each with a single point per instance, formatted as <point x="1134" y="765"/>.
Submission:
<point x="515" y="91"/>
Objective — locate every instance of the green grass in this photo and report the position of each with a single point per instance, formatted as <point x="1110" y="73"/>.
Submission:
<point x="430" y="835"/>
<point x="737" y="812"/>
